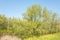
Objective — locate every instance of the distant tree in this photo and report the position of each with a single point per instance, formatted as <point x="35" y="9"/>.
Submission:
<point x="3" y="22"/>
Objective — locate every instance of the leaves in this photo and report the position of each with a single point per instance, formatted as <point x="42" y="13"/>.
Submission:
<point x="36" y="21"/>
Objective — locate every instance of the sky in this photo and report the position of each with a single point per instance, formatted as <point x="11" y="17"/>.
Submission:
<point x="17" y="7"/>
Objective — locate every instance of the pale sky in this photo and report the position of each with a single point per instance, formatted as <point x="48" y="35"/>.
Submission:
<point x="17" y="7"/>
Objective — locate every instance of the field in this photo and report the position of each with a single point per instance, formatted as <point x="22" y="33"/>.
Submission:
<point x="46" y="37"/>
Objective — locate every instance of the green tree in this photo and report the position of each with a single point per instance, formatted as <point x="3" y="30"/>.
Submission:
<point x="33" y="13"/>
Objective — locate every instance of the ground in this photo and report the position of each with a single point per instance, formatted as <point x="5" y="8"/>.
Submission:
<point x="46" y="37"/>
<point x="55" y="36"/>
<point x="9" y="37"/>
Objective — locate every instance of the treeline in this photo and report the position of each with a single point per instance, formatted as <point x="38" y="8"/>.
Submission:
<point x="36" y="21"/>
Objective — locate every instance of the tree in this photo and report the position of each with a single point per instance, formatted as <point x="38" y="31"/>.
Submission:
<point x="3" y="22"/>
<point x="43" y="21"/>
<point x="33" y="13"/>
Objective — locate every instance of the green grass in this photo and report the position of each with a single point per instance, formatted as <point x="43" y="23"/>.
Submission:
<point x="46" y="37"/>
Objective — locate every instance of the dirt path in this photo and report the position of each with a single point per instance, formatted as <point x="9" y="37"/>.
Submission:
<point x="8" y="37"/>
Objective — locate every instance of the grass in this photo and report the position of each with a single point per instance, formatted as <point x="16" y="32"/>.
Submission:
<point x="46" y="37"/>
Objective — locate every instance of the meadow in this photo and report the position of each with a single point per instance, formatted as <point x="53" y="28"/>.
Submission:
<point x="55" y="36"/>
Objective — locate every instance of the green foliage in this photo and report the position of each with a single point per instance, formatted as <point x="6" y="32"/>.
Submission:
<point x="3" y="22"/>
<point x="36" y="21"/>
<point x="46" y="37"/>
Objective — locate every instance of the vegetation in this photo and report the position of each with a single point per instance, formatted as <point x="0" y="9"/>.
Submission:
<point x="36" y="21"/>
<point x="46" y="37"/>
